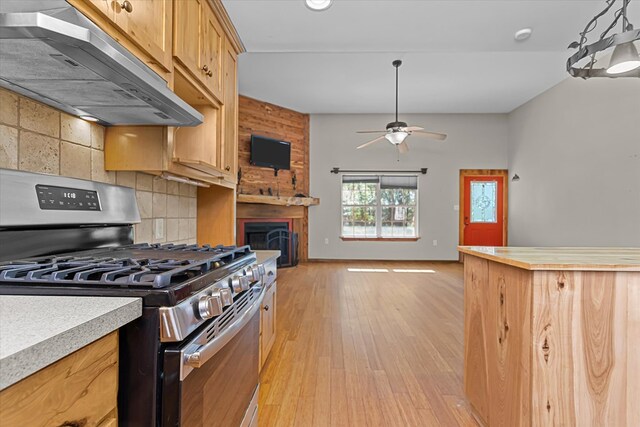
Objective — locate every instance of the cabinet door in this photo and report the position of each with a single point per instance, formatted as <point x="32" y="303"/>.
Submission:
<point x="211" y="52"/>
<point x="186" y="34"/>
<point x="148" y="24"/>
<point x="229" y="152"/>
<point x="105" y="7"/>
<point x="79" y="390"/>
<point x="268" y="323"/>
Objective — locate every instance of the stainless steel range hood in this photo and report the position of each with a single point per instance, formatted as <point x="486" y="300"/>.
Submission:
<point x="51" y="52"/>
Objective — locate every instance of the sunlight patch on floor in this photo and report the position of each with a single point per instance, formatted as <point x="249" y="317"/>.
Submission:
<point x="367" y="270"/>
<point x="411" y="270"/>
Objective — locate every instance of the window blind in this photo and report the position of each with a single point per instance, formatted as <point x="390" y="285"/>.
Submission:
<point x="360" y="179"/>
<point x="390" y="182"/>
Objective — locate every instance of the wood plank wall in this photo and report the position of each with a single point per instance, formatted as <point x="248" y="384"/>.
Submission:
<point x="264" y="119"/>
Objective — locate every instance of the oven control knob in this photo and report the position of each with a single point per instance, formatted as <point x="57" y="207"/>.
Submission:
<point x="226" y="297"/>
<point x="255" y="273"/>
<point x="239" y="284"/>
<point x="209" y="306"/>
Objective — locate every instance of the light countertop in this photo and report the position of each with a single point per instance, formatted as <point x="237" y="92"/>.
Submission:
<point x="584" y="259"/>
<point x="263" y="256"/>
<point x="36" y="331"/>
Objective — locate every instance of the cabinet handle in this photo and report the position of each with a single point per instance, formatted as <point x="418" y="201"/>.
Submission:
<point x="210" y="74"/>
<point x="127" y="6"/>
<point x="205" y="68"/>
<point x="266" y="308"/>
<point x="228" y="168"/>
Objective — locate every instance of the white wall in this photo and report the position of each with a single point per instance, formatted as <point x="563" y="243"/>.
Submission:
<point x="576" y="149"/>
<point x="476" y="141"/>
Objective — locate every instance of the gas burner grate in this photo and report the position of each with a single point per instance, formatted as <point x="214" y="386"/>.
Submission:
<point x="142" y="265"/>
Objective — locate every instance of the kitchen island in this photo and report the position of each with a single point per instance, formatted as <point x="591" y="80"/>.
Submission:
<point x="552" y="335"/>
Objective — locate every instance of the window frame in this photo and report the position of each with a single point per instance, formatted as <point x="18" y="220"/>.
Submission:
<point x="379" y="206"/>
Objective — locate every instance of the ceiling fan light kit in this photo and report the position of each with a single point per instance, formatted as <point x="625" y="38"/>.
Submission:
<point x="396" y="132"/>
<point x="625" y="61"/>
<point x="318" y="5"/>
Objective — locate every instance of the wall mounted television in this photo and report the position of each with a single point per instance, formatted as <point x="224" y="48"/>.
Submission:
<point x="270" y="153"/>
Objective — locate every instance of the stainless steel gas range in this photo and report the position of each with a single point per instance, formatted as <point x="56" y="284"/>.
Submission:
<point x="192" y="358"/>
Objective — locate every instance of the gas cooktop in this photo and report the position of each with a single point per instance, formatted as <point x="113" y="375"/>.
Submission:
<point x="154" y="271"/>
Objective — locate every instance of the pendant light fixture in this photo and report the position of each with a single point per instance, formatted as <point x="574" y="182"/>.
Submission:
<point x="624" y="62"/>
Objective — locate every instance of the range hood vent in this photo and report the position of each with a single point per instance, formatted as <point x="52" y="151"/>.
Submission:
<point x="51" y="52"/>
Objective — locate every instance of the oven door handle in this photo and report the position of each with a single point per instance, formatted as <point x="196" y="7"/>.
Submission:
<point x="199" y="357"/>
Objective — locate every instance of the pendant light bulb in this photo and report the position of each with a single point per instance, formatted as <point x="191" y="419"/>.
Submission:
<point x="624" y="58"/>
<point x="396" y="138"/>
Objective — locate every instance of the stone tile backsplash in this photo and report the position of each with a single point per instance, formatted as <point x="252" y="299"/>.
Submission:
<point x="38" y="138"/>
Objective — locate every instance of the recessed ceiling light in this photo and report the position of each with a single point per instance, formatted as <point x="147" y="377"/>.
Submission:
<point x="89" y="118"/>
<point x="318" y="5"/>
<point x="523" y="34"/>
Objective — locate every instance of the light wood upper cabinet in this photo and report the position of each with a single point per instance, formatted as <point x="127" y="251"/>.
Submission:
<point x="105" y="7"/>
<point x="199" y="42"/>
<point x="148" y="24"/>
<point x="186" y="33"/>
<point x="211" y="52"/>
<point x="229" y="151"/>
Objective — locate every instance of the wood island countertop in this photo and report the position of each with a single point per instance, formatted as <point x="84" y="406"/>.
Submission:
<point x="573" y="259"/>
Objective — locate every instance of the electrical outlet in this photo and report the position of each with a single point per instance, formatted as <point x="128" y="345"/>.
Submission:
<point x="158" y="229"/>
<point x="326" y="240"/>
<point x="435" y="242"/>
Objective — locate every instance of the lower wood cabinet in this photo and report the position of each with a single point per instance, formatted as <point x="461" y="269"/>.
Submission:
<point x="79" y="390"/>
<point x="268" y="323"/>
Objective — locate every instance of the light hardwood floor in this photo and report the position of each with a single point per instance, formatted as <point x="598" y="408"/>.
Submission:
<point x="360" y="348"/>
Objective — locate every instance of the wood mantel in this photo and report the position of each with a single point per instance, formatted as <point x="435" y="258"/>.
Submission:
<point x="552" y="335"/>
<point x="280" y="201"/>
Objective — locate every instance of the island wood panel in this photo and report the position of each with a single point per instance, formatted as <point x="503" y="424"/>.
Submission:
<point x="476" y="325"/>
<point x="497" y="341"/>
<point x="78" y="390"/>
<point x="586" y="359"/>
<point x="509" y="345"/>
<point x="551" y="347"/>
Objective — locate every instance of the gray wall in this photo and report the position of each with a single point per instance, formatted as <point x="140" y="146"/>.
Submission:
<point x="476" y="141"/>
<point x="576" y="149"/>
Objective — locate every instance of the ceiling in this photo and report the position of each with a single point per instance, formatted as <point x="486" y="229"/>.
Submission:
<point x="458" y="56"/>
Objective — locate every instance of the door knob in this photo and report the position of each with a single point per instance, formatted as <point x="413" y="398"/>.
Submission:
<point x="127" y="6"/>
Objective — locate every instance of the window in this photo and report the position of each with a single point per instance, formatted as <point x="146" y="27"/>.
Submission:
<point x="379" y="206"/>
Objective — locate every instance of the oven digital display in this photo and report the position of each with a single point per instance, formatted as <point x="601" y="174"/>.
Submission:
<point x="67" y="199"/>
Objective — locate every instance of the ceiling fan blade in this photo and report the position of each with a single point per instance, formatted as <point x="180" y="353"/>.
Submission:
<point x="432" y="135"/>
<point x="403" y="148"/>
<point x="371" y="131"/>
<point x="369" y="143"/>
<point x="413" y="128"/>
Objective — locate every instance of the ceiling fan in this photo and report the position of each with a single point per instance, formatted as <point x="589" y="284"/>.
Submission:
<point x="397" y="131"/>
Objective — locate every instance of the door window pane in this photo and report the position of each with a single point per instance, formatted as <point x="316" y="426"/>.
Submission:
<point x="484" y="196"/>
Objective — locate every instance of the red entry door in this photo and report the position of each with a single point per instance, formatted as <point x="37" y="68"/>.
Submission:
<point x="483" y="210"/>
